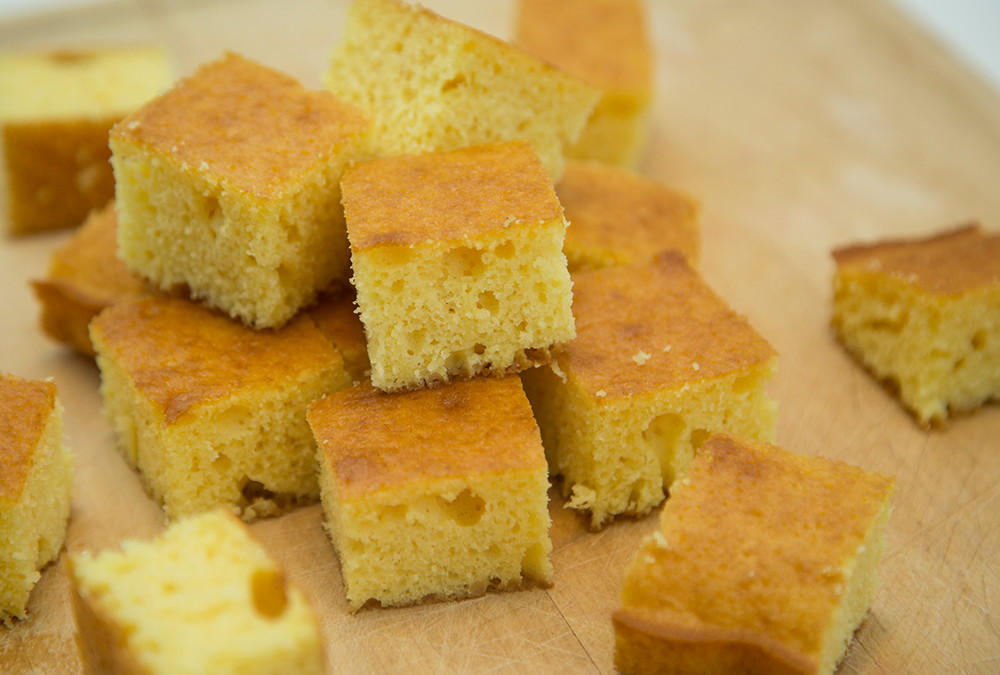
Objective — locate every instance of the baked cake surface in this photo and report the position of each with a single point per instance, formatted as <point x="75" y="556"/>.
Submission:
<point x="764" y="561"/>
<point x="229" y="183"/>
<point x="606" y="44"/>
<point x="617" y="217"/>
<point x="85" y="275"/>
<point x="56" y="109"/>
<point x="624" y="408"/>
<point x="432" y="84"/>
<point x="458" y="263"/>
<point x="455" y="505"/>
<point x="335" y="316"/>
<point x="209" y="411"/>
<point x="36" y="479"/>
<point x="204" y="597"/>
<point x="924" y="315"/>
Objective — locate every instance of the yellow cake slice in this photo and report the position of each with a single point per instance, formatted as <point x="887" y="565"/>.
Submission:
<point x="85" y="276"/>
<point x="923" y="314"/>
<point x="210" y="412"/>
<point x="458" y="263"/>
<point x="606" y="44"/>
<point x="36" y="479"/>
<point x="659" y="363"/>
<point x="56" y="108"/>
<point x="229" y="184"/>
<point x="335" y="316"/>
<point x="203" y="597"/>
<point x="618" y="217"/>
<point x="452" y="507"/>
<point x="432" y="84"/>
<point x="765" y="561"/>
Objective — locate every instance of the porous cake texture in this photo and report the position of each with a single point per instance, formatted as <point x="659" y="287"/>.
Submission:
<point x="229" y="184"/>
<point x="617" y="217"/>
<point x="36" y="479"/>
<point x="204" y="597"/>
<point x="56" y="108"/>
<point x="452" y="507"/>
<point x="764" y="562"/>
<point x="659" y="364"/>
<point x="335" y="316"/>
<point x="458" y="263"/>
<point x="606" y="44"/>
<point x="209" y="411"/>
<point x="431" y="84"/>
<point x="85" y="276"/>
<point x="923" y="314"/>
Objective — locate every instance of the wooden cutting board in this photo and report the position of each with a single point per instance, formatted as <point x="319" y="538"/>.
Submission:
<point x="801" y="126"/>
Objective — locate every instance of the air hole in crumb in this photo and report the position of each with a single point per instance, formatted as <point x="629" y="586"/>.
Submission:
<point x="979" y="340"/>
<point x="959" y="363"/>
<point x="267" y="588"/>
<point x="211" y="207"/>
<point x="221" y="462"/>
<point x="699" y="436"/>
<point x="489" y="302"/>
<point x="453" y="83"/>
<point x="505" y="250"/>
<point x="541" y="292"/>
<point x="398" y="285"/>
<point x="479" y="349"/>
<point x="466" y="509"/>
<point x="744" y="384"/>
<point x="252" y="491"/>
<point x="464" y="261"/>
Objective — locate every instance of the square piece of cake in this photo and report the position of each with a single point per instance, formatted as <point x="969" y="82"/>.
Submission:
<point x="659" y="363"/>
<point x="604" y="43"/>
<point x="210" y="412"/>
<point x="764" y="562"/>
<point x="458" y="263"/>
<point x="431" y="84"/>
<point x="85" y="276"/>
<point x="229" y="184"/>
<point x="56" y="109"/>
<point x="923" y="314"/>
<point x="204" y="597"/>
<point x="36" y="479"/>
<point x="455" y="504"/>
<point x="617" y="217"/>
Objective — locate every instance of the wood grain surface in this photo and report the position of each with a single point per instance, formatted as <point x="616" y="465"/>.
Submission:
<point x="801" y="126"/>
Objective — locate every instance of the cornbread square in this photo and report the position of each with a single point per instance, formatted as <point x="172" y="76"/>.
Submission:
<point x="765" y="562"/>
<point x="452" y="507"/>
<point x="36" y="478"/>
<point x="458" y="263"/>
<point x="229" y="183"/>
<point x="56" y="109"/>
<point x="618" y="217"/>
<point x="625" y="407"/>
<point x="336" y="318"/>
<point x="85" y="275"/>
<point x="204" y="597"/>
<point x="210" y="412"/>
<point x="431" y="84"/>
<point x="923" y="314"/>
<point x="606" y="44"/>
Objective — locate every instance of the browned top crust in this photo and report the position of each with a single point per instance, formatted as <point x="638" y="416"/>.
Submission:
<point x="244" y="125"/>
<point x="87" y="266"/>
<point x="962" y="259"/>
<point x="376" y="441"/>
<point x="446" y="196"/>
<point x="603" y="42"/>
<point x="181" y="355"/>
<point x="752" y="548"/>
<point x="25" y="406"/>
<point x="654" y="327"/>
<point x="613" y="209"/>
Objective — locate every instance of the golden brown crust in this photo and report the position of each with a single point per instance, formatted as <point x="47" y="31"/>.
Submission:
<point x="181" y="355"/>
<point x="446" y="196"/>
<point x="25" y="406"/>
<point x="85" y="276"/>
<point x="57" y="171"/>
<point x="753" y="547"/>
<point x="244" y="125"/>
<point x="603" y="42"/>
<point x="377" y="441"/>
<point x="655" y="326"/>
<point x="615" y="210"/>
<point x="950" y="262"/>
